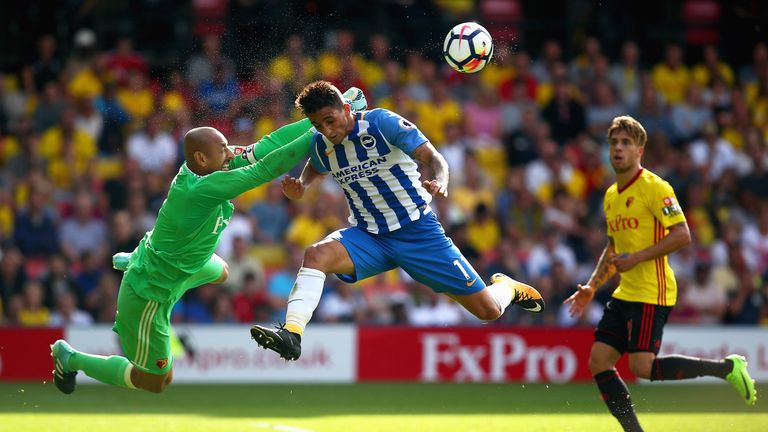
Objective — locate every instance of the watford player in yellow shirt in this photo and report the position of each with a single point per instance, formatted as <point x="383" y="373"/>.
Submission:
<point x="645" y="224"/>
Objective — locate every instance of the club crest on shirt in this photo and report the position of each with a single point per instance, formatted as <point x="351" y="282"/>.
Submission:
<point x="368" y="141"/>
<point x="238" y="151"/>
<point x="405" y="124"/>
<point x="629" y="202"/>
<point x="161" y="363"/>
<point x="671" y="207"/>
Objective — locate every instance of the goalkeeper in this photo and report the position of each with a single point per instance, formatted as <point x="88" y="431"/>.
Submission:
<point x="178" y="253"/>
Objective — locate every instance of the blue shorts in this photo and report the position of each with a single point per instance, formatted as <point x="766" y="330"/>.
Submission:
<point x="421" y="248"/>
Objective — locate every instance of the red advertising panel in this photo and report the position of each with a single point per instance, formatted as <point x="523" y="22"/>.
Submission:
<point x="484" y="354"/>
<point x="25" y="353"/>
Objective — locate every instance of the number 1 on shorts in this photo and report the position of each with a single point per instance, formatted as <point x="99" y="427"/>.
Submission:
<point x="457" y="263"/>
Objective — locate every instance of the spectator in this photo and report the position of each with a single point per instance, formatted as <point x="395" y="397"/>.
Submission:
<point x="68" y="150"/>
<point x="689" y="116"/>
<point x="380" y="54"/>
<point x="89" y="274"/>
<point x="45" y="69"/>
<point x="88" y="118"/>
<point x="12" y="276"/>
<point x="122" y="236"/>
<point x="583" y="66"/>
<point x="434" y="114"/>
<point x="625" y="75"/>
<point x="650" y="110"/>
<point x="153" y="148"/>
<point x="755" y="239"/>
<point x="711" y="154"/>
<point x="483" y="231"/>
<point x="564" y="113"/>
<point x="218" y="94"/>
<point x="102" y="302"/>
<point x="704" y="297"/>
<point x="124" y="60"/>
<point x="603" y="109"/>
<point x="543" y="67"/>
<point x="671" y="78"/>
<point x="545" y="254"/>
<point x="221" y="309"/>
<point x="251" y="303"/>
<point x="114" y="116"/>
<point x="522" y="85"/>
<point x="48" y="111"/>
<point x="712" y="68"/>
<point x="57" y="279"/>
<point x="431" y="309"/>
<point x="67" y="313"/>
<point x="241" y="263"/>
<point x="344" y="303"/>
<point x="293" y="64"/>
<point x="136" y="98"/>
<point x="201" y="66"/>
<point x="13" y="103"/>
<point x="482" y="119"/>
<point x="270" y="215"/>
<point x="35" y="231"/>
<point x="240" y="225"/>
<point x="142" y="219"/>
<point x="33" y="312"/>
<point x="83" y="232"/>
<point x="281" y="283"/>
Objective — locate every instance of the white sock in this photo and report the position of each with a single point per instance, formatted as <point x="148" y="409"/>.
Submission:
<point x="303" y="299"/>
<point x="502" y="293"/>
<point x="127" y="377"/>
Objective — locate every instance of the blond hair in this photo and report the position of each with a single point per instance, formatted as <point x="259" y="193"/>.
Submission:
<point x="630" y="126"/>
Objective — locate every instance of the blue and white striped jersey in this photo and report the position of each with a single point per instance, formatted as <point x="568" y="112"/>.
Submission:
<point x="374" y="168"/>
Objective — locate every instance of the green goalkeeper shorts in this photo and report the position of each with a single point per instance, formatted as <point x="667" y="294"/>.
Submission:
<point x="144" y="326"/>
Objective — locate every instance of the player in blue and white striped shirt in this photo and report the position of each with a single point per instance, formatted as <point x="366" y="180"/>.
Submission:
<point x="373" y="156"/>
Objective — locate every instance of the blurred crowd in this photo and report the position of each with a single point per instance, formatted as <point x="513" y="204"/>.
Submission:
<point x="90" y="139"/>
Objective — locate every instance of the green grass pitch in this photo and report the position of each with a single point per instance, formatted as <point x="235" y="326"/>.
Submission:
<point x="391" y="407"/>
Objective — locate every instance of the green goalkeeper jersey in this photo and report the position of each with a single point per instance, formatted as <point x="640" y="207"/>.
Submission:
<point x="197" y="209"/>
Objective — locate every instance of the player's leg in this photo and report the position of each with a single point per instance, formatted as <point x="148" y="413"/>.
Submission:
<point x="214" y="271"/>
<point x="610" y="343"/>
<point x="352" y="254"/>
<point x="645" y="342"/>
<point x="143" y="328"/>
<point x="490" y="302"/>
<point x="424" y="251"/>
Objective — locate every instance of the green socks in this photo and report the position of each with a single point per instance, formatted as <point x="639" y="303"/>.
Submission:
<point x="114" y="370"/>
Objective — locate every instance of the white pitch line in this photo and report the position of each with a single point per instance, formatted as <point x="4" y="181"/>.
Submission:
<point x="279" y="427"/>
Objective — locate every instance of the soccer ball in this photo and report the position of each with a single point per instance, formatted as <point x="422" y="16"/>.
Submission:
<point x="468" y="47"/>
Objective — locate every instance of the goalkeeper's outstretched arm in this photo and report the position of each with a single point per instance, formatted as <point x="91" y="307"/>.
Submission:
<point x="225" y="185"/>
<point x="247" y="155"/>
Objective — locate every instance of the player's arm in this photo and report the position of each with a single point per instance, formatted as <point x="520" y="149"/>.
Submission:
<point x="427" y="155"/>
<point x="679" y="236"/>
<point x="226" y="185"/>
<point x="294" y="188"/>
<point x="408" y="138"/>
<point x="286" y="135"/>
<point x="604" y="270"/>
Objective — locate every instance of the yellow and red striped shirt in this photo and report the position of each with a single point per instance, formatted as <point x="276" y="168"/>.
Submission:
<point x="638" y="217"/>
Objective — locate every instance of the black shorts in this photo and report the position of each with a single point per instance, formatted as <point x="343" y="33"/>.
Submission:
<point x="632" y="326"/>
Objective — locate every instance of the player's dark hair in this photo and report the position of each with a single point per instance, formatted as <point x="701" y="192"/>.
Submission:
<point x="318" y="95"/>
<point x="631" y="127"/>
